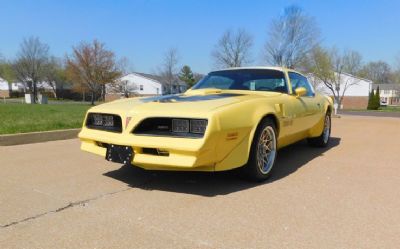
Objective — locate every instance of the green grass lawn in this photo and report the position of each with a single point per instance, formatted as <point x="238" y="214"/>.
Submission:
<point x="20" y="118"/>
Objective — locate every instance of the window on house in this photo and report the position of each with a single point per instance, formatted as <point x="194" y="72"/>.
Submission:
<point x="141" y="87"/>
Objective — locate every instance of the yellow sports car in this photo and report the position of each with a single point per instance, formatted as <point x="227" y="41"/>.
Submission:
<point x="232" y="118"/>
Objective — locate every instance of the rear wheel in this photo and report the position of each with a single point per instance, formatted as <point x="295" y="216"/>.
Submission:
<point x="263" y="152"/>
<point x="323" y="140"/>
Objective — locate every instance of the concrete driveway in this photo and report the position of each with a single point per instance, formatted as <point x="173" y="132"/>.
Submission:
<point x="52" y="195"/>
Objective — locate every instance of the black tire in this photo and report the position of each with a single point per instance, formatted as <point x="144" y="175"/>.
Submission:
<point x="324" y="138"/>
<point x="251" y="170"/>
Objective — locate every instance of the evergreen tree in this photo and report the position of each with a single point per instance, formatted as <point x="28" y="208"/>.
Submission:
<point x="377" y="101"/>
<point x="186" y="75"/>
<point x="371" y="100"/>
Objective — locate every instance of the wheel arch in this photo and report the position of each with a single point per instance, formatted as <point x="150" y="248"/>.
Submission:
<point x="269" y="115"/>
<point x="329" y="109"/>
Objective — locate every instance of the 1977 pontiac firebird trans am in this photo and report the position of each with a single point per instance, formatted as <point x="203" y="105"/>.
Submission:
<point x="232" y="118"/>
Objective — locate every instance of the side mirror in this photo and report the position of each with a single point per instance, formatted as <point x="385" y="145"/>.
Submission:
<point x="300" y="91"/>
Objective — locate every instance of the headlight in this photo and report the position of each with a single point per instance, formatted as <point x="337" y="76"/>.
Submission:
<point x="198" y="126"/>
<point x="101" y="121"/>
<point x="180" y="125"/>
<point x="97" y="119"/>
<point x="108" y="120"/>
<point x="175" y="127"/>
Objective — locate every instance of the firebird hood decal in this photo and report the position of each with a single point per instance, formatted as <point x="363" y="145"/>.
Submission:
<point x="182" y="98"/>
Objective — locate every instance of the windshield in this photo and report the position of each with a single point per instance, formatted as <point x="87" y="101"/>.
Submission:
<point x="245" y="79"/>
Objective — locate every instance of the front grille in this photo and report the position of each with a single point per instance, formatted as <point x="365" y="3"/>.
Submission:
<point x="104" y="121"/>
<point x="165" y="127"/>
<point x="155" y="152"/>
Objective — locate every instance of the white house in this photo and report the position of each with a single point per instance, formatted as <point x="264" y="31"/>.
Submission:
<point x="356" y="93"/>
<point x="19" y="87"/>
<point x="133" y="84"/>
<point x="141" y="84"/>
<point x="389" y="93"/>
<point x="177" y="87"/>
<point x="4" y="88"/>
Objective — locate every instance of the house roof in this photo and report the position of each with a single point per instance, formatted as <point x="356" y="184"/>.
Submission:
<point x="357" y="77"/>
<point x="159" y="78"/>
<point x="386" y="86"/>
<point x="150" y="76"/>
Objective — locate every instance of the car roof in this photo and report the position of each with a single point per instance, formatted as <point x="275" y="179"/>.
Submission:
<point x="282" y="69"/>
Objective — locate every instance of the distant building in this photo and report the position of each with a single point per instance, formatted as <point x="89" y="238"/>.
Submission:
<point x="4" y="89"/>
<point x="177" y="87"/>
<point x="356" y="95"/>
<point x="389" y="93"/>
<point x="141" y="84"/>
<point x="18" y="88"/>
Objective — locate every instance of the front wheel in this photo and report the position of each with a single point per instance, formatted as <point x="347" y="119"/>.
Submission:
<point x="263" y="152"/>
<point x="323" y="140"/>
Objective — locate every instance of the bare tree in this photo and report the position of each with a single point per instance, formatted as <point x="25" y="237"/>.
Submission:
<point x="291" y="37"/>
<point x="30" y="63"/>
<point x="55" y="76"/>
<point x="233" y="49"/>
<point x="169" y="69"/>
<point x="378" y="71"/>
<point x="337" y="71"/>
<point x="91" y="66"/>
<point x="123" y="87"/>
<point x="396" y="73"/>
<point x="197" y="77"/>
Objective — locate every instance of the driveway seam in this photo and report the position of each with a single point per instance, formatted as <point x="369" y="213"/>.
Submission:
<point x="70" y="205"/>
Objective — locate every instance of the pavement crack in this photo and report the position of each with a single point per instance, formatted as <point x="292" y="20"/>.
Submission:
<point x="70" y="205"/>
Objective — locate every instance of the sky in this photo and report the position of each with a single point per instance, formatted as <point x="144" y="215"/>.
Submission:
<point x="143" y="30"/>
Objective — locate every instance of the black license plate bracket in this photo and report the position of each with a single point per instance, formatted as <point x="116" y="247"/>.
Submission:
<point x="119" y="154"/>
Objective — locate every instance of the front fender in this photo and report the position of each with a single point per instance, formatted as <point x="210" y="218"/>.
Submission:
<point x="238" y="125"/>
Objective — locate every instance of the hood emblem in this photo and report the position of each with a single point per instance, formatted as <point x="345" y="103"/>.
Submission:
<point x="127" y="120"/>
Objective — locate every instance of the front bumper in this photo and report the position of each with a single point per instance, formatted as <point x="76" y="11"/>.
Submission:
<point x="216" y="150"/>
<point x="183" y="153"/>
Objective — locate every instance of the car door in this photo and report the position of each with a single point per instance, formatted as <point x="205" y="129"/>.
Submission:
<point x="306" y="107"/>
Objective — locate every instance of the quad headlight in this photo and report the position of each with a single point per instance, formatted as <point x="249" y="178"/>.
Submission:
<point x="102" y="121"/>
<point x="197" y="126"/>
<point x="180" y="125"/>
<point x="174" y="127"/>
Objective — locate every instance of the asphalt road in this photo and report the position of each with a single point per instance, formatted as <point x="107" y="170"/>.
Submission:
<point x="52" y="195"/>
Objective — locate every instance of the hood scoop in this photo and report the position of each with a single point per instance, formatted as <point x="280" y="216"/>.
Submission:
<point x="204" y="91"/>
<point x="189" y="98"/>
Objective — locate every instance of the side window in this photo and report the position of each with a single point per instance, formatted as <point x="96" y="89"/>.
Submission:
<point x="298" y="80"/>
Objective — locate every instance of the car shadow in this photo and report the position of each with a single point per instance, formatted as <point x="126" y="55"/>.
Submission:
<point x="209" y="184"/>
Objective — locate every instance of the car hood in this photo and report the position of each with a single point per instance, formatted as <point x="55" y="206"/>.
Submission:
<point x="193" y="102"/>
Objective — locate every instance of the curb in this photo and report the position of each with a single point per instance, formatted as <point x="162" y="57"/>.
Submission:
<point x="37" y="137"/>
